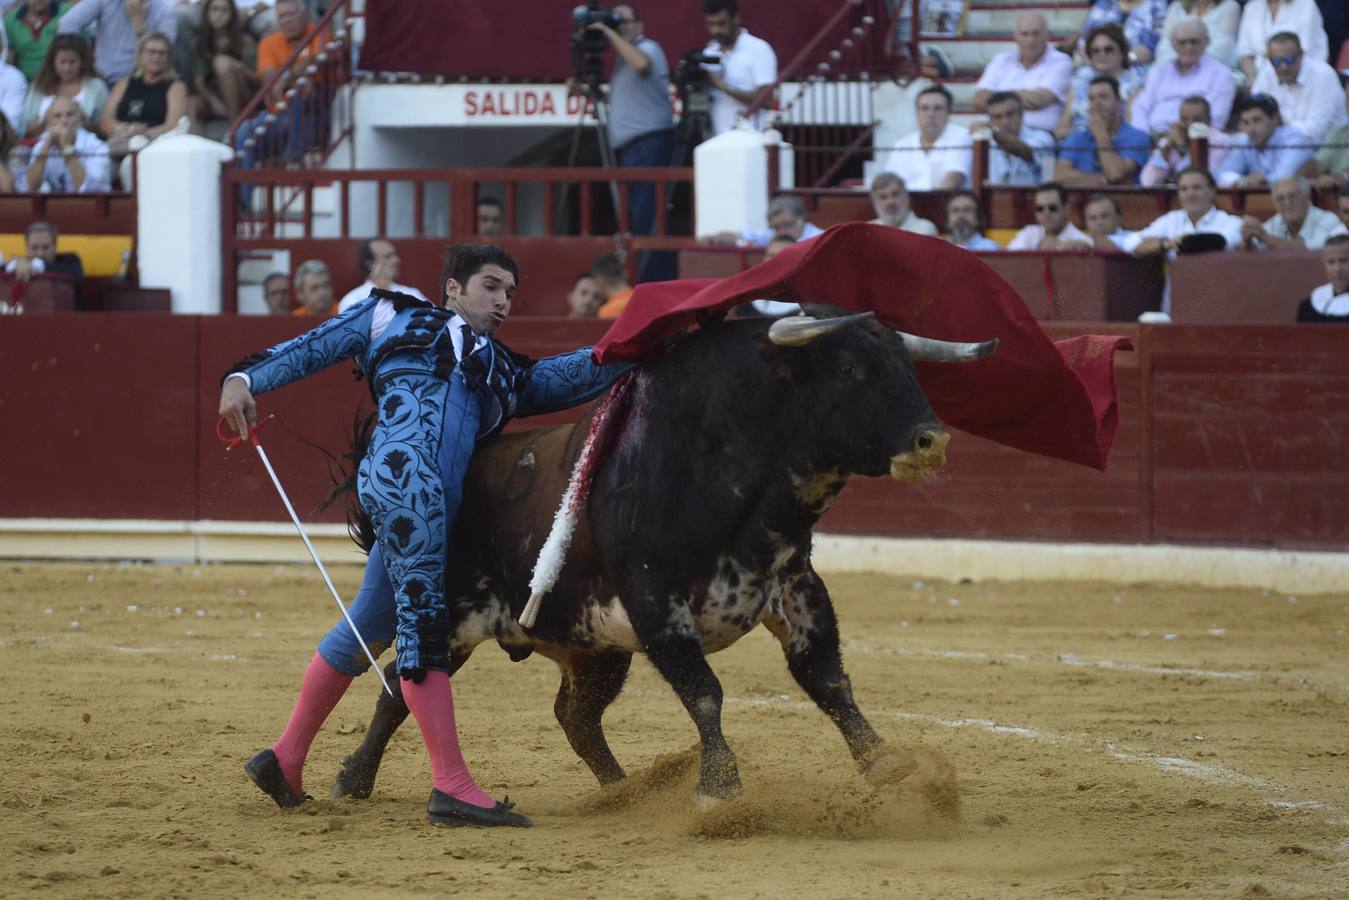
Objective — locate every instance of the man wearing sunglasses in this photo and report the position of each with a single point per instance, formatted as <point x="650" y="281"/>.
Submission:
<point x="1308" y="90"/>
<point x="1192" y="73"/>
<point x="1052" y="229"/>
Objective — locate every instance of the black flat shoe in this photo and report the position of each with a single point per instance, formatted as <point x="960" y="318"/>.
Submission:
<point x="442" y="809"/>
<point x="266" y="774"/>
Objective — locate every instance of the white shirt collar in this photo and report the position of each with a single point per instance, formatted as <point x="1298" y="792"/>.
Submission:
<point x="1328" y="303"/>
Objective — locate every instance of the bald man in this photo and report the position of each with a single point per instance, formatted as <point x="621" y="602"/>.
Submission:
<point x="1036" y="72"/>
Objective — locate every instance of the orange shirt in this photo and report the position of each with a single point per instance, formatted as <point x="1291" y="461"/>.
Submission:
<point x="301" y="311"/>
<point x="274" y="50"/>
<point x="613" y="307"/>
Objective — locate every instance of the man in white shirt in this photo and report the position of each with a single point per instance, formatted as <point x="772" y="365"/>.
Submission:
<point x="379" y="260"/>
<point x="1053" y="229"/>
<point x="1039" y="74"/>
<point x="67" y="158"/>
<point x="747" y="65"/>
<point x="1297" y="226"/>
<point x="1196" y="190"/>
<point x="1330" y="302"/>
<point x="890" y="200"/>
<point x="1102" y="214"/>
<point x="1308" y="90"/>
<point x="939" y="156"/>
<point x="1019" y="153"/>
<point x="1259" y="24"/>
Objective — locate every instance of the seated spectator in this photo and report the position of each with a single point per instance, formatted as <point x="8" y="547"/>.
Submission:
<point x="379" y="260"/>
<point x="67" y="158"/>
<point x="612" y="283"/>
<point x="1329" y="169"/>
<point x="68" y="71"/>
<point x="890" y="200"/>
<point x="255" y="18"/>
<point x="965" y="222"/>
<point x="276" y="292"/>
<point x="40" y="245"/>
<point x="30" y="28"/>
<point x="1193" y="73"/>
<point x="1297" y="225"/>
<point x="786" y="215"/>
<point x="222" y="62"/>
<point x="1102" y="213"/>
<point x="1141" y="21"/>
<point x="1108" y="150"/>
<point x="1308" y="90"/>
<point x="148" y="102"/>
<point x="1330" y="302"/>
<point x="1266" y="150"/>
<point x="1038" y="73"/>
<point x="314" y="290"/>
<point x="1053" y="229"/>
<point x="1172" y="155"/>
<point x="1018" y="152"/>
<point x="117" y="26"/>
<point x="491" y="217"/>
<point x="1196" y="190"/>
<point x="1259" y="24"/>
<point x="583" y="300"/>
<point x="1220" y="17"/>
<point x="305" y="120"/>
<point x="1107" y="51"/>
<point x="775" y="308"/>
<point x="938" y="156"/>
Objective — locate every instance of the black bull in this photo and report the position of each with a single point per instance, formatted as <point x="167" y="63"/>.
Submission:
<point x="698" y="529"/>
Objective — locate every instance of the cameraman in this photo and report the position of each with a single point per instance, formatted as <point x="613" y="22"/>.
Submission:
<point x="641" y="122"/>
<point x="748" y="65"/>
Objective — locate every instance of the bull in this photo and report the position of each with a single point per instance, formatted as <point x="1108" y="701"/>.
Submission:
<point x="697" y="529"/>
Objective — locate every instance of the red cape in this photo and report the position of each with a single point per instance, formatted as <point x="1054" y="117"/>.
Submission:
<point x="1055" y="399"/>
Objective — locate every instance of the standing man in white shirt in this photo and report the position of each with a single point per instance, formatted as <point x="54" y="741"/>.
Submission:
<point x="939" y="156"/>
<point x="1308" y="90"/>
<point x="379" y="261"/>
<point x="747" y="66"/>
<point x="1039" y="74"/>
<point x="1053" y="230"/>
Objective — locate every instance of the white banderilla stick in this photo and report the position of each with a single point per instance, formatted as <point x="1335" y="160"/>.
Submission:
<point x="262" y="455"/>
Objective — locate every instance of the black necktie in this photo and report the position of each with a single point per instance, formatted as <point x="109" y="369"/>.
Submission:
<point x="470" y="340"/>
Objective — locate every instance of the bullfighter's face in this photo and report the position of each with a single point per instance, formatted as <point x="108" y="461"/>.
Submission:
<point x="485" y="301"/>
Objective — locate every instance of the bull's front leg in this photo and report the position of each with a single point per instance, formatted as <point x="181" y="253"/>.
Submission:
<point x="808" y="633"/>
<point x="356" y="778"/>
<point x="664" y="626"/>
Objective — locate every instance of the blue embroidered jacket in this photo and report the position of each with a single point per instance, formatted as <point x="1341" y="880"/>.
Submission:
<point x="417" y="340"/>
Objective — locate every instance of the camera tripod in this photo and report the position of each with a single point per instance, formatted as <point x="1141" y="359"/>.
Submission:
<point x="608" y="159"/>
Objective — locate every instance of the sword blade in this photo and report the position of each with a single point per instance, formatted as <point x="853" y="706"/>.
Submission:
<point x="267" y="463"/>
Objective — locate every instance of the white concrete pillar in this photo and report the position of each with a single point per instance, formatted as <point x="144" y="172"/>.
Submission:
<point x="730" y="180"/>
<point x="178" y="219"/>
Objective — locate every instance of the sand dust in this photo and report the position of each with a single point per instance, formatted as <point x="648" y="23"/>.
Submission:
<point x="1077" y="740"/>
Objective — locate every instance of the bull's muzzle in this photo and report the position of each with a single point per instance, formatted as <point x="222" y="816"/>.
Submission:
<point x="925" y="457"/>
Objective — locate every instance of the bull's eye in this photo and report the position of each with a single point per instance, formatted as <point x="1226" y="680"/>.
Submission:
<point x="847" y="370"/>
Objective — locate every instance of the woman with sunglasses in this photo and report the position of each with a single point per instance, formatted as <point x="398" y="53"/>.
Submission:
<point x="1221" y="17"/>
<point x="1107" y="49"/>
<point x="1141" y="21"/>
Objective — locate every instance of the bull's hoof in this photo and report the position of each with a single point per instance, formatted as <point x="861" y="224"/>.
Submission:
<point x="890" y="765"/>
<point x="706" y="802"/>
<point x="353" y="781"/>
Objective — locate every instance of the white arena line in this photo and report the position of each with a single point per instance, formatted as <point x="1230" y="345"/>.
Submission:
<point x="1072" y="660"/>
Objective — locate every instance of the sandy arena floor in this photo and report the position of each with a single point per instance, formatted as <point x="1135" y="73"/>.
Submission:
<point x="1106" y="742"/>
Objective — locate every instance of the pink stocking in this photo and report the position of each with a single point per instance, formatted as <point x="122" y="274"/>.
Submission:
<point x="320" y="690"/>
<point x="432" y="704"/>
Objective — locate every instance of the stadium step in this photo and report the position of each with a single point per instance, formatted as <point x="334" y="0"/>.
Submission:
<point x="1001" y="20"/>
<point x="969" y="54"/>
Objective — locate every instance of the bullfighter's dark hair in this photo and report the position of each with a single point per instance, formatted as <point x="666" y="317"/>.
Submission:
<point x="712" y="7"/>
<point x="463" y="261"/>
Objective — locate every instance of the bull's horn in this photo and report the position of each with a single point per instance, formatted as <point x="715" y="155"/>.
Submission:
<point x="923" y="349"/>
<point x="797" y="331"/>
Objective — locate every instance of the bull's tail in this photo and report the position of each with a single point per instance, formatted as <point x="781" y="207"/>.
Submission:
<point x="343" y="470"/>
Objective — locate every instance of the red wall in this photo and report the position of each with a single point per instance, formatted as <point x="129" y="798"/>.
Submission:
<point x="1228" y="434"/>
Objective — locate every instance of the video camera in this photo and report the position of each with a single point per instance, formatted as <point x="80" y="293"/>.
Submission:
<point x="588" y="46"/>
<point x="692" y="80"/>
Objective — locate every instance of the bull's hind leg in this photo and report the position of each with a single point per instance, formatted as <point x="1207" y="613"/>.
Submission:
<point x="668" y="636"/>
<point x="809" y="637"/>
<point x="356" y="778"/>
<point x="590" y="682"/>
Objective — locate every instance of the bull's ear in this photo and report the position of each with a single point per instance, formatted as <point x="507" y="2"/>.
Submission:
<point x="790" y="363"/>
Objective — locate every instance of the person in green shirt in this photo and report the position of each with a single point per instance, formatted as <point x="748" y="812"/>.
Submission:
<point x="30" y="27"/>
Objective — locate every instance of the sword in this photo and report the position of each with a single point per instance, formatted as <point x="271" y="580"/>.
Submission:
<point x="231" y="442"/>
